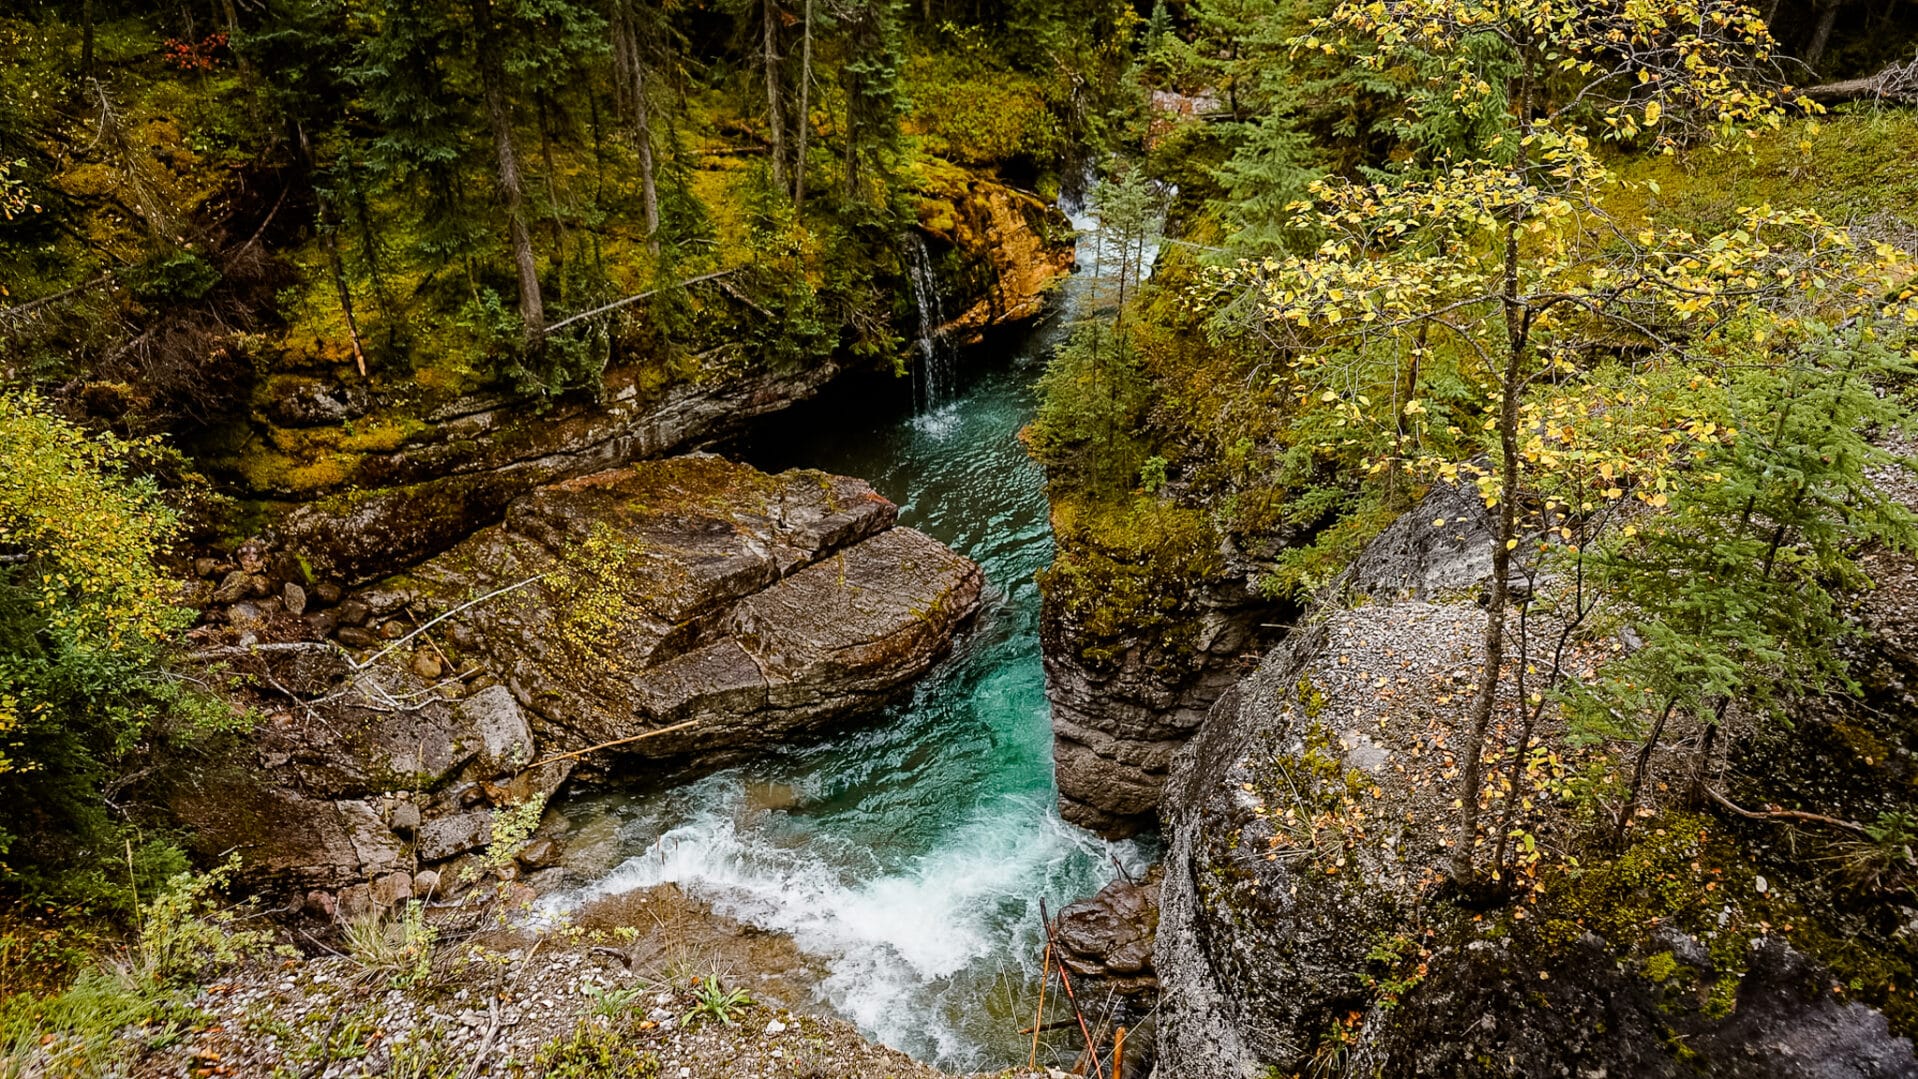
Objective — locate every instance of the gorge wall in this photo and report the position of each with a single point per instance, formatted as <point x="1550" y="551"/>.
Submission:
<point x="364" y="476"/>
<point x="1144" y="623"/>
<point x="1308" y="922"/>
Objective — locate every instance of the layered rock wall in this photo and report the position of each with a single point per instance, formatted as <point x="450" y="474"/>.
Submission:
<point x="695" y="589"/>
<point x="1117" y="724"/>
<point x="731" y="610"/>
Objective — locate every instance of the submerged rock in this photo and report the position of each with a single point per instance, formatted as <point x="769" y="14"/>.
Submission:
<point x="695" y="590"/>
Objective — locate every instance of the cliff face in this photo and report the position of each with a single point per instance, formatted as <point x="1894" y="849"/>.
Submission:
<point x="1307" y="920"/>
<point x="1146" y="619"/>
<point x="1010" y="247"/>
<point x="1117" y="724"/>
<point x="365" y="476"/>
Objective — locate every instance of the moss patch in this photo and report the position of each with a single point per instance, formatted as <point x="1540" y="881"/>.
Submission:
<point x="1125" y="575"/>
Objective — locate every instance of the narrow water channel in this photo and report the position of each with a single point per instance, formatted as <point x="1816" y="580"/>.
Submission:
<point x="911" y="853"/>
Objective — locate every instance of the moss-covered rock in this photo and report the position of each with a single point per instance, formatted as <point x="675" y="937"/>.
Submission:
<point x="698" y="591"/>
<point x="1143" y="626"/>
<point x="1309" y="919"/>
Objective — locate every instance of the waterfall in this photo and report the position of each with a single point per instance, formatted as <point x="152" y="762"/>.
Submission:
<point x="933" y="374"/>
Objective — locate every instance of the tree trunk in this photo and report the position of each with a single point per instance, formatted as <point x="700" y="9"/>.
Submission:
<point x="643" y="139"/>
<point x="1642" y="765"/>
<point x="1821" y="37"/>
<point x="629" y="61"/>
<point x="532" y="308"/>
<point x="776" y="123"/>
<point x="1471" y="772"/>
<point x="805" y="117"/>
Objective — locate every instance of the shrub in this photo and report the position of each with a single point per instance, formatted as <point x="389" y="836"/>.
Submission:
<point x="396" y="946"/>
<point x="593" y="1051"/>
<point x="86" y="621"/>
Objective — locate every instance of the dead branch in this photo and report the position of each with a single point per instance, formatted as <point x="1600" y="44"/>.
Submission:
<point x="377" y="656"/>
<point x="635" y="298"/>
<point x="615" y="742"/>
<point x="1066" y="980"/>
<point x="1776" y="814"/>
<point x="21" y="310"/>
<point x="1897" y="84"/>
<point x="486" y="1043"/>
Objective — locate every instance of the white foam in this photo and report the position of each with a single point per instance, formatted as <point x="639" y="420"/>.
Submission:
<point x="897" y="944"/>
<point x="939" y="421"/>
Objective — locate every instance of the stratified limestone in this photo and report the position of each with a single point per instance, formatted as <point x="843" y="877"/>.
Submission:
<point x="698" y="590"/>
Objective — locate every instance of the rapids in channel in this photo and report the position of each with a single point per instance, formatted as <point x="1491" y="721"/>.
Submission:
<point x="909" y="854"/>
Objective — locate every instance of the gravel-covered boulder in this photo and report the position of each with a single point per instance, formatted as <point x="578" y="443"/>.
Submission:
<point x="1309" y="922"/>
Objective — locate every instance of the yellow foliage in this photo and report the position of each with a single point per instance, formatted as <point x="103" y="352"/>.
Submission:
<point x="81" y="541"/>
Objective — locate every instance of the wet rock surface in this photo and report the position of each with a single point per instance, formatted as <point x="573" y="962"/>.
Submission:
<point x="1124" y="702"/>
<point x="1013" y="246"/>
<point x="1116" y="727"/>
<point x="1109" y="937"/>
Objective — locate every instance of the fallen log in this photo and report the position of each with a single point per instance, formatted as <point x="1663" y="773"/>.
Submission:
<point x="1897" y="84"/>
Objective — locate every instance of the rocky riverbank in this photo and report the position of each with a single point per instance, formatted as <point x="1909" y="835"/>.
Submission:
<point x="660" y="987"/>
<point x="693" y="609"/>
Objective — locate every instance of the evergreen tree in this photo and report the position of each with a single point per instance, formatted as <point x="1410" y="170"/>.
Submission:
<point x="870" y="80"/>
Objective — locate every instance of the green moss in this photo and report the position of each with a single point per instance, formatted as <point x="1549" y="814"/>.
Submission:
<point x="1850" y="166"/>
<point x="269" y="470"/>
<point x="1126" y="573"/>
<point x="1661" y="967"/>
<point x="595" y="1051"/>
<point x="1661" y="878"/>
<point x="1311" y="698"/>
<point x="382" y="435"/>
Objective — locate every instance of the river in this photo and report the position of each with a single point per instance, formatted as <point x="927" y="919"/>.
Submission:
<point x="909" y="854"/>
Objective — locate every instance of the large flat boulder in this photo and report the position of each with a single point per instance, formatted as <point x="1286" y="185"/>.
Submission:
<point x="695" y="589"/>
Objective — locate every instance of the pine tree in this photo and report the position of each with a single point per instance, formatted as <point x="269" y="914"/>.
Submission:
<point x="870" y="80"/>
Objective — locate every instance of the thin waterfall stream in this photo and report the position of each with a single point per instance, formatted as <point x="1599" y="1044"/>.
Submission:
<point x="936" y="358"/>
<point x="908" y="854"/>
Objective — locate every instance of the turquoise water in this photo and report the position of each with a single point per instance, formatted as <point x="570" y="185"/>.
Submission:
<point x="910" y="854"/>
